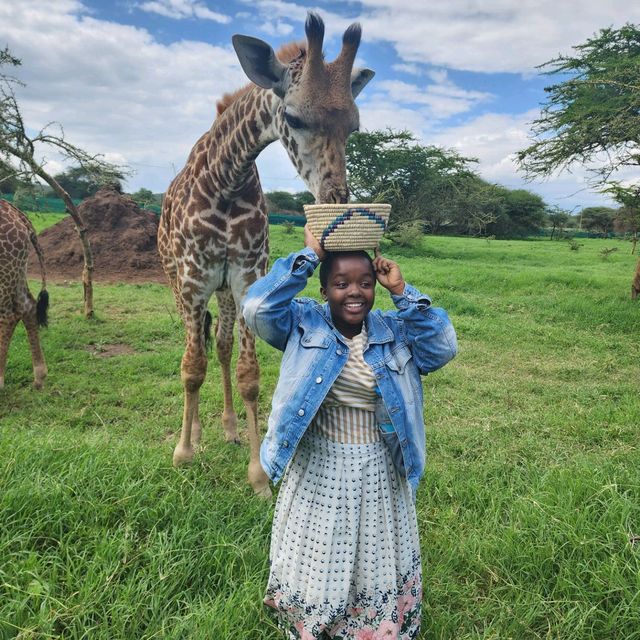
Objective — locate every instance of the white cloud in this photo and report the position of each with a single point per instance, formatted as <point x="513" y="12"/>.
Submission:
<point x="115" y="89"/>
<point x="181" y="9"/>
<point x="277" y="28"/>
<point x="442" y="98"/>
<point x="404" y="67"/>
<point x="494" y="139"/>
<point x="492" y="36"/>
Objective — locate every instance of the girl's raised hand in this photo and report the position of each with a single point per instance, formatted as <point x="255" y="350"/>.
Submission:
<point x="312" y="242"/>
<point x="388" y="274"/>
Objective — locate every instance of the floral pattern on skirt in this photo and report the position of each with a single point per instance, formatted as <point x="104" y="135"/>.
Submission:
<point x="345" y="556"/>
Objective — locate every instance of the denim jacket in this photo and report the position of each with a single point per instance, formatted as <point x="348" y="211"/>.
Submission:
<point x="416" y="339"/>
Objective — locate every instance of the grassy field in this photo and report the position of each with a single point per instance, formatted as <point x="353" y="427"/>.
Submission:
<point x="529" y="511"/>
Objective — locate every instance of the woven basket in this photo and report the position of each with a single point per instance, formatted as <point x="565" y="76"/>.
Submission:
<point x="347" y="227"/>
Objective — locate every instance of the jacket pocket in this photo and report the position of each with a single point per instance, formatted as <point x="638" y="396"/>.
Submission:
<point x="398" y="359"/>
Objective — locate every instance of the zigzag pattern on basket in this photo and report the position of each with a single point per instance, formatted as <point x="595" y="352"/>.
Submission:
<point x="345" y="217"/>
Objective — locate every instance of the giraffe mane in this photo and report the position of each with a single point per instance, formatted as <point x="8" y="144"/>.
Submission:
<point x="286" y="54"/>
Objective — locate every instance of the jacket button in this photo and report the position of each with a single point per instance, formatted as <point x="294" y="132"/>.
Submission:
<point x="339" y="352"/>
<point x="285" y="444"/>
<point x="318" y="379"/>
<point x="301" y="412"/>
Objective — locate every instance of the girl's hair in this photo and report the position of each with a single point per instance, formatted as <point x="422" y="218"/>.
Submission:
<point x="327" y="264"/>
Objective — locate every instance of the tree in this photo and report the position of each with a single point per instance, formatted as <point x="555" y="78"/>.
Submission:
<point x="80" y="182"/>
<point x="558" y="220"/>
<point x="16" y="144"/>
<point x="282" y="201"/>
<point x="591" y="117"/>
<point x="523" y="214"/>
<point x="418" y="181"/>
<point x="9" y="180"/>
<point x="144" y="197"/>
<point x="598" y="219"/>
<point x="627" y="218"/>
<point x="304" y="197"/>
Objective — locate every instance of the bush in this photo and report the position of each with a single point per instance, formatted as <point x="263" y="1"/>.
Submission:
<point x="408" y="234"/>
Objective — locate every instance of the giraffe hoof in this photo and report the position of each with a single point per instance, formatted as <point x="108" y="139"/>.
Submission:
<point x="233" y="438"/>
<point x="259" y="480"/>
<point x="264" y="493"/>
<point x="182" y="456"/>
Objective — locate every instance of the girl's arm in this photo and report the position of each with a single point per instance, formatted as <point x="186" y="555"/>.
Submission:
<point x="428" y="329"/>
<point x="269" y="308"/>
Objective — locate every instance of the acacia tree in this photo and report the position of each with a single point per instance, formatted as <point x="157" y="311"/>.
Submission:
<point x="627" y="218"/>
<point x="19" y="148"/>
<point x="591" y="117"/>
<point x="418" y="181"/>
<point x="558" y="220"/>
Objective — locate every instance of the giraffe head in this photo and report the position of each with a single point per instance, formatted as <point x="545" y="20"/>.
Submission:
<point x="316" y="111"/>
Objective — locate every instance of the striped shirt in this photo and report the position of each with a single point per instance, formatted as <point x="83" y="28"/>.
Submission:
<point x="347" y="413"/>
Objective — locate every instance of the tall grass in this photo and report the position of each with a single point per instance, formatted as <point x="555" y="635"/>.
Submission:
<point x="529" y="511"/>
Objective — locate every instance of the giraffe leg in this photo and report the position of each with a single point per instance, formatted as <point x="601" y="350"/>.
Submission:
<point x="248" y="377"/>
<point x="224" y="347"/>
<point x="30" y="321"/>
<point x="193" y="371"/>
<point x="7" y="325"/>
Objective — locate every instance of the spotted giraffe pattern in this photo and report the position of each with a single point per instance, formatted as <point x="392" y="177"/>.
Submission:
<point x="213" y="233"/>
<point x="16" y="302"/>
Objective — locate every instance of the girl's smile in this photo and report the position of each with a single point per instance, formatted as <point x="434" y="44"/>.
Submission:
<point x="350" y="292"/>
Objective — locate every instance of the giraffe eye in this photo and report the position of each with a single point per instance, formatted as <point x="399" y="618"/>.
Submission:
<point x="293" y="121"/>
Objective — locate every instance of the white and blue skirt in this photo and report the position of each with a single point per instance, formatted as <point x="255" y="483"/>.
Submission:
<point x="345" y="555"/>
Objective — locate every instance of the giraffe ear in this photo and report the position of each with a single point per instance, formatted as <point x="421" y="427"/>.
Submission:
<point x="259" y="62"/>
<point x="359" y="80"/>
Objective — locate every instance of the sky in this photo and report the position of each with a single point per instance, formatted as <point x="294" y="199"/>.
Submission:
<point x="138" y="80"/>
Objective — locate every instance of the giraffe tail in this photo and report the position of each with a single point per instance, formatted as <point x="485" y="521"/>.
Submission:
<point x="208" y="321"/>
<point x="42" y="305"/>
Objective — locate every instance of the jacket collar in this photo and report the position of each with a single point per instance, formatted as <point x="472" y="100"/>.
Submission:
<point x="377" y="330"/>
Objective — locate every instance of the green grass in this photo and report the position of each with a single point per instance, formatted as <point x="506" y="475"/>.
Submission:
<point x="43" y="220"/>
<point x="527" y="512"/>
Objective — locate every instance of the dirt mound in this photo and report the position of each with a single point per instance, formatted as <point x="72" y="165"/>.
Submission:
<point x="123" y="241"/>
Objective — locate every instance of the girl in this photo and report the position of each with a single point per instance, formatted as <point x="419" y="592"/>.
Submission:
<point x="345" y="556"/>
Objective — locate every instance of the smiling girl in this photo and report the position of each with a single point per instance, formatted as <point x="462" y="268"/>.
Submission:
<point x="345" y="554"/>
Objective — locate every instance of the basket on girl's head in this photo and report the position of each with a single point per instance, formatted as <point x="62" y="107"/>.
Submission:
<point x="347" y="227"/>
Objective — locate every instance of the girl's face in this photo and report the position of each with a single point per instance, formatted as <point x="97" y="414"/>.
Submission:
<point x="350" y="292"/>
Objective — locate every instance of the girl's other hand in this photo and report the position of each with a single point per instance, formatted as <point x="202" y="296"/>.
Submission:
<point x="312" y="242"/>
<point x="388" y="274"/>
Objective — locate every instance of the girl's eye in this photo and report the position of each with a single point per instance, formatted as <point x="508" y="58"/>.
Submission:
<point x="366" y="284"/>
<point x="293" y="121"/>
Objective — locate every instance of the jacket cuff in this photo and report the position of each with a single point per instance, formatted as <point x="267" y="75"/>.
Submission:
<point x="411" y="296"/>
<point x="304" y="259"/>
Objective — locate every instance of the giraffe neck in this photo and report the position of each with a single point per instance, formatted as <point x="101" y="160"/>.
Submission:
<point x="243" y="130"/>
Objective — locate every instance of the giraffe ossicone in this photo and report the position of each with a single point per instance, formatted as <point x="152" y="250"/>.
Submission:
<point x="16" y="302"/>
<point x="213" y="233"/>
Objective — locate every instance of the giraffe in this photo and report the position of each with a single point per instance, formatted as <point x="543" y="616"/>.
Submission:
<point x="16" y="301"/>
<point x="213" y="232"/>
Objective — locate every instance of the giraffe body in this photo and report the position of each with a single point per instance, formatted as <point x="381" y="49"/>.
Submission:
<point x="16" y="302"/>
<point x="213" y="233"/>
<point x="635" y="285"/>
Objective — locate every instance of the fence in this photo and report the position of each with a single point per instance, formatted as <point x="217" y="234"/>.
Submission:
<point x="55" y="205"/>
<point x="40" y="203"/>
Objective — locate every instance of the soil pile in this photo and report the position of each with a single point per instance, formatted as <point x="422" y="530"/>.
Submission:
<point x="122" y="237"/>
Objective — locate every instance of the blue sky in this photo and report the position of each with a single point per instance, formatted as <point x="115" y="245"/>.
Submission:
<point x="138" y="80"/>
